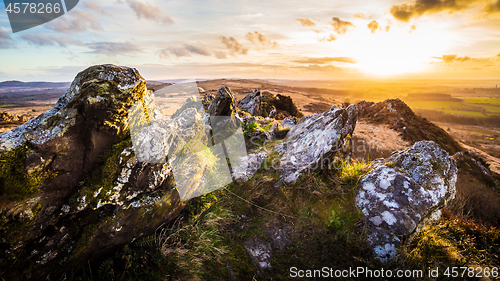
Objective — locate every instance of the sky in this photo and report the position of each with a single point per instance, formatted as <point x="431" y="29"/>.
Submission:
<point x="293" y="39"/>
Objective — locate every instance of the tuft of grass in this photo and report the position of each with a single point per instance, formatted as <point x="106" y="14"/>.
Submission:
<point x="352" y="171"/>
<point x="453" y="242"/>
<point x="191" y="247"/>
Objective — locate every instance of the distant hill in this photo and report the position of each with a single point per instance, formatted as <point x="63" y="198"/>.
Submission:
<point x="17" y="84"/>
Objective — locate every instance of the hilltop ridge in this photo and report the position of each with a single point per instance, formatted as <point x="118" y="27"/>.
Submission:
<point x="102" y="183"/>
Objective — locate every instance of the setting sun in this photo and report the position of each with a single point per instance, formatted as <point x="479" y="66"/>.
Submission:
<point x="399" y="51"/>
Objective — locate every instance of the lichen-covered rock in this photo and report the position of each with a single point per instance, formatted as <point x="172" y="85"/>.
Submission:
<point x="404" y="193"/>
<point x="315" y="140"/>
<point x="71" y="186"/>
<point x="247" y="166"/>
<point x="251" y="103"/>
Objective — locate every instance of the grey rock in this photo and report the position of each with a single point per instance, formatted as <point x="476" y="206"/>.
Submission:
<point x="222" y="104"/>
<point x="260" y="252"/>
<point x="312" y="144"/>
<point x="278" y="236"/>
<point x="404" y="193"/>
<point x="251" y="103"/>
<point x="289" y="122"/>
<point x="247" y="166"/>
<point x="192" y="102"/>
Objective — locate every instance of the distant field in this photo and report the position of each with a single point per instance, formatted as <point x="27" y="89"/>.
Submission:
<point x="470" y="106"/>
<point x="482" y="100"/>
<point x="8" y="105"/>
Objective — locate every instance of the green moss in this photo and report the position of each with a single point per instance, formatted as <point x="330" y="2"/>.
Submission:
<point x="252" y="127"/>
<point x="17" y="226"/>
<point x="89" y="232"/>
<point x="15" y="182"/>
<point x="392" y="164"/>
<point x="99" y="184"/>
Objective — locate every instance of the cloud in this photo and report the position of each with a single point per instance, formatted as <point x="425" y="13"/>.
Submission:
<point x="5" y="40"/>
<point x="233" y="45"/>
<point x="93" y="6"/>
<point x="256" y="37"/>
<point x="306" y="22"/>
<point x="374" y="26"/>
<point x="325" y="60"/>
<point x="453" y="58"/>
<point x="184" y="50"/>
<point x="407" y="11"/>
<point x="75" y="21"/>
<point x="113" y="48"/>
<point x="492" y="8"/>
<point x="149" y="12"/>
<point x="220" y="54"/>
<point x="359" y="15"/>
<point x="340" y="26"/>
<point x="412" y="28"/>
<point x="387" y="28"/>
<point x="49" y="39"/>
<point x="498" y="55"/>
<point x="328" y="39"/>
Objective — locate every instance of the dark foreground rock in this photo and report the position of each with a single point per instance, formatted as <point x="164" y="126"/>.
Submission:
<point x="71" y="188"/>
<point x="312" y="144"/>
<point x="404" y="193"/>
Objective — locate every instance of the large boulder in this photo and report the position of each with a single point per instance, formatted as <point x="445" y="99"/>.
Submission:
<point x="404" y="193"/>
<point x="312" y="144"/>
<point x="71" y="186"/>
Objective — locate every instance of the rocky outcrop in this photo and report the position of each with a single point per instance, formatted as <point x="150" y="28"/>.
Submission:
<point x="251" y="103"/>
<point x="10" y="121"/>
<point x="266" y="104"/>
<point x="71" y="185"/>
<point x="401" y="118"/>
<point x="404" y="193"/>
<point x="312" y="144"/>
<point x="6" y="117"/>
<point x="284" y="105"/>
<point x="223" y="103"/>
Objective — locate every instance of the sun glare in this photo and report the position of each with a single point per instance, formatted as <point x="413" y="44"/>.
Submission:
<point x="398" y="51"/>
